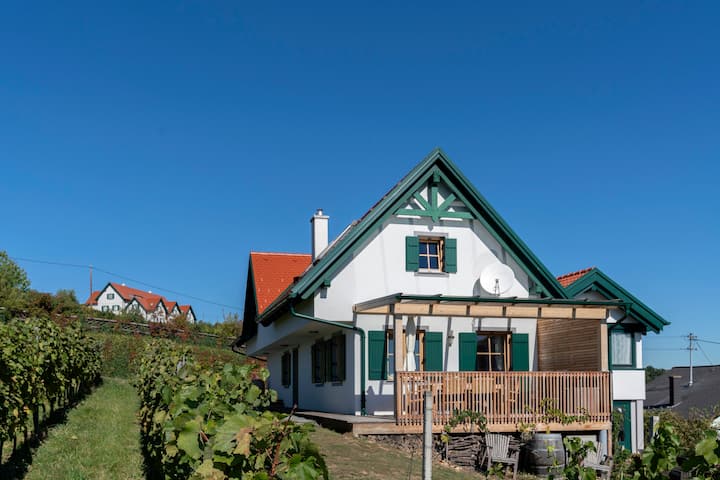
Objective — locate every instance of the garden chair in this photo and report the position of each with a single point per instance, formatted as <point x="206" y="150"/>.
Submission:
<point x="498" y="448"/>
<point x="602" y="464"/>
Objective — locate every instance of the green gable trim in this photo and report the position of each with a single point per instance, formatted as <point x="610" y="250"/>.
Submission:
<point x="596" y="280"/>
<point x="436" y="166"/>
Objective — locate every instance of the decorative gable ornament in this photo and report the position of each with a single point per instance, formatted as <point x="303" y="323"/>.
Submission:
<point x="436" y="201"/>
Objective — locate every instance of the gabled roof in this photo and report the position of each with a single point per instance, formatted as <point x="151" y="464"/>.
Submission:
<point x="595" y="280"/>
<point x="92" y="300"/>
<point x="438" y="166"/>
<point x="185" y="309"/>
<point x="273" y="273"/>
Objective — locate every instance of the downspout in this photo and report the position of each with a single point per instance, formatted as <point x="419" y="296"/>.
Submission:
<point x="355" y="329"/>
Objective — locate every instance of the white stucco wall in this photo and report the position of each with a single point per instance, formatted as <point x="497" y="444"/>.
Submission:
<point x="103" y="301"/>
<point x="628" y="384"/>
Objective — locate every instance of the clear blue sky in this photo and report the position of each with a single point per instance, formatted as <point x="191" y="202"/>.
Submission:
<point x="165" y="140"/>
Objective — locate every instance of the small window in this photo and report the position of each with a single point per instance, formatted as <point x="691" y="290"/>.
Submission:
<point x="110" y="296"/>
<point x="622" y="348"/>
<point x="491" y="354"/>
<point x="116" y="308"/>
<point x="286" y="369"/>
<point x="105" y="308"/>
<point x="430" y="254"/>
<point x="336" y="358"/>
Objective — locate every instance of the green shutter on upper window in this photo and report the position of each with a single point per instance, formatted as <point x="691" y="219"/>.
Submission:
<point x="520" y="350"/>
<point x="450" y="255"/>
<point x="376" y="355"/>
<point x="433" y="352"/>
<point x="468" y="351"/>
<point x="412" y="254"/>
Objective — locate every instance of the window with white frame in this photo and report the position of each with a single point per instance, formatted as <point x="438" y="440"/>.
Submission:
<point x="621" y="344"/>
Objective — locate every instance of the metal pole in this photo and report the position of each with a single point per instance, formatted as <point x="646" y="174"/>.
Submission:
<point x="691" y="337"/>
<point x="427" y="437"/>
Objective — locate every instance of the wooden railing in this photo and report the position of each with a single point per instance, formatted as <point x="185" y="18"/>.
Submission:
<point x="505" y="398"/>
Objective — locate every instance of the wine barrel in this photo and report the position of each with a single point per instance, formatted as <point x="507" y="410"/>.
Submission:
<point x="545" y="454"/>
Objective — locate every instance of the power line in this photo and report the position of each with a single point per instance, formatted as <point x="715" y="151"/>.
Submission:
<point x="706" y="355"/>
<point x="708" y="341"/>
<point x="664" y="349"/>
<point x="156" y="287"/>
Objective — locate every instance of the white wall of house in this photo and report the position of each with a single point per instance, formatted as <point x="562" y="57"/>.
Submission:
<point x="378" y="268"/>
<point x="628" y="384"/>
<point x="115" y="304"/>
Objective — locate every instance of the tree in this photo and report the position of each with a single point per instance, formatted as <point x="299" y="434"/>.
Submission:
<point x="14" y="286"/>
<point x="652" y="373"/>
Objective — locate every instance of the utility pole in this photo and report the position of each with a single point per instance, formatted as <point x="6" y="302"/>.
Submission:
<point x="691" y="347"/>
<point x="90" y="282"/>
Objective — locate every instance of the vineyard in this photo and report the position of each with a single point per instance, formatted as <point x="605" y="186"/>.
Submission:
<point x="43" y="366"/>
<point x="198" y="422"/>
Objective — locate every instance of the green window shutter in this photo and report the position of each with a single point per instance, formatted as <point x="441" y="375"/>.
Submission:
<point x="468" y="351"/>
<point x="433" y="351"/>
<point x="520" y="351"/>
<point x="451" y="255"/>
<point x="376" y="355"/>
<point x="412" y="252"/>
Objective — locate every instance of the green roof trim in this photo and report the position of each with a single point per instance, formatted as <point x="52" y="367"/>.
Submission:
<point x="436" y="166"/>
<point x="596" y="280"/>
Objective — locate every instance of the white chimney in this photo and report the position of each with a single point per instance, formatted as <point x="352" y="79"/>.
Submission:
<point x="319" y="230"/>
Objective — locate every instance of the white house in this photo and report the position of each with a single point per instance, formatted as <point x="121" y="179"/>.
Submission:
<point x="432" y="290"/>
<point x="118" y="297"/>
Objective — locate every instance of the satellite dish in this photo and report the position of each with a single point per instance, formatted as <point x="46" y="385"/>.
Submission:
<point x="497" y="278"/>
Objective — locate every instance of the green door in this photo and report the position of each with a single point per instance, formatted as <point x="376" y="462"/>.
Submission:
<point x="621" y="408"/>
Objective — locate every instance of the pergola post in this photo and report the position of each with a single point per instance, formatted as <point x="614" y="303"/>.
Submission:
<point x="399" y="342"/>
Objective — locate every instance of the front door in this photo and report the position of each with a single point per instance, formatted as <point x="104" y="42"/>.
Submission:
<point x="621" y="410"/>
<point x="295" y="373"/>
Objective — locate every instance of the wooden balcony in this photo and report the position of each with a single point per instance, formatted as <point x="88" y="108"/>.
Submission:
<point x="508" y="399"/>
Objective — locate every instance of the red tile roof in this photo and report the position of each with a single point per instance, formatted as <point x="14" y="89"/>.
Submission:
<point x="169" y="305"/>
<point x="570" y="278"/>
<point x="274" y="272"/>
<point x="185" y="309"/>
<point x="93" y="298"/>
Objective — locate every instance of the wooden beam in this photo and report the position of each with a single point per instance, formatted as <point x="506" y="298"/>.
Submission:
<point x="556" y="312"/>
<point x="412" y="309"/>
<point x="486" y="310"/>
<point x="381" y="310"/>
<point x="588" y="313"/>
<point x="450" y="310"/>
<point x="514" y="311"/>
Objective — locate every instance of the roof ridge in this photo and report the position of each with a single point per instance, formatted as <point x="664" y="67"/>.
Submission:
<point x="577" y="272"/>
<point x="281" y="253"/>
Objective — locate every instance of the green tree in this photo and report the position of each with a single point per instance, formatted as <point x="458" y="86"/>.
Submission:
<point x="14" y="286"/>
<point x="652" y="373"/>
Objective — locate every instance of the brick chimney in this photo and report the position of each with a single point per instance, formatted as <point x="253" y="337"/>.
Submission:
<point x="319" y="230"/>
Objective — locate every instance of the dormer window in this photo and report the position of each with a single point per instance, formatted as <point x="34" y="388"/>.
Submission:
<point x="430" y="254"/>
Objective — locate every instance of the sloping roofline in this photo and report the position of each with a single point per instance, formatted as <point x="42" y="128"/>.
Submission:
<point x="596" y="280"/>
<point x="437" y="163"/>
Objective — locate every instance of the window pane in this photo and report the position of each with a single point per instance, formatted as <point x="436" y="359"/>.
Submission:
<point x="482" y="363"/>
<point x="423" y="262"/>
<point x="423" y="248"/>
<point x="497" y="344"/>
<point x="482" y="343"/>
<point x="498" y="363"/>
<point x="621" y="348"/>
<point x="433" y="248"/>
<point x="434" y="262"/>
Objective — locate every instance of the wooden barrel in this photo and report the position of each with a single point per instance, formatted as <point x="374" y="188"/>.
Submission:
<point x="545" y="454"/>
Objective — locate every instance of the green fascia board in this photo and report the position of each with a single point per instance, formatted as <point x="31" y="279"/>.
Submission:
<point x="250" y="309"/>
<point x="436" y="163"/>
<point x="597" y="280"/>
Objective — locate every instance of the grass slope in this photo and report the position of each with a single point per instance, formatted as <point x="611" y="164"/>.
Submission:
<point x="99" y="440"/>
<point x="350" y="458"/>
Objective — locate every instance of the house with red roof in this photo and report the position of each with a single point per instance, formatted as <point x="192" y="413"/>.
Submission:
<point x="431" y="290"/>
<point x="118" y="298"/>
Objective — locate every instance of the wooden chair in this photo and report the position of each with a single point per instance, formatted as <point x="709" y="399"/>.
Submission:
<point x="602" y="464"/>
<point x="500" y="448"/>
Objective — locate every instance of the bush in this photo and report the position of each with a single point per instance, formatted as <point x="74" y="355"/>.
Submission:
<point x="198" y="422"/>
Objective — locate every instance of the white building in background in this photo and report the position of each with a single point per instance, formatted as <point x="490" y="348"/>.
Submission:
<point x="431" y="289"/>
<point x="118" y="298"/>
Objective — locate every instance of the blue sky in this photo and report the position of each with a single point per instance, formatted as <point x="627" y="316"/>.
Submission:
<point x="165" y="140"/>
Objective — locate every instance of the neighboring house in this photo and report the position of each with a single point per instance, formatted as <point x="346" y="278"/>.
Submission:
<point x="626" y="328"/>
<point x="118" y="297"/>
<point x="432" y="291"/>
<point x="673" y="390"/>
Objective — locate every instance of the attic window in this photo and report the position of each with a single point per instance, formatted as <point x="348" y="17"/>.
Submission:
<point x="110" y="296"/>
<point x="430" y="254"/>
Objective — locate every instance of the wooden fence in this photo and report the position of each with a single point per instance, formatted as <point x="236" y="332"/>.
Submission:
<point x="508" y="399"/>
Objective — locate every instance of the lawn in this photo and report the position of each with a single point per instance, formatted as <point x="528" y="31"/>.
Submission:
<point x="99" y="440"/>
<point x="349" y="457"/>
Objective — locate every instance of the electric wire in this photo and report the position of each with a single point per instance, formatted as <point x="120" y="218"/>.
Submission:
<point x="108" y="272"/>
<point x="706" y="355"/>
